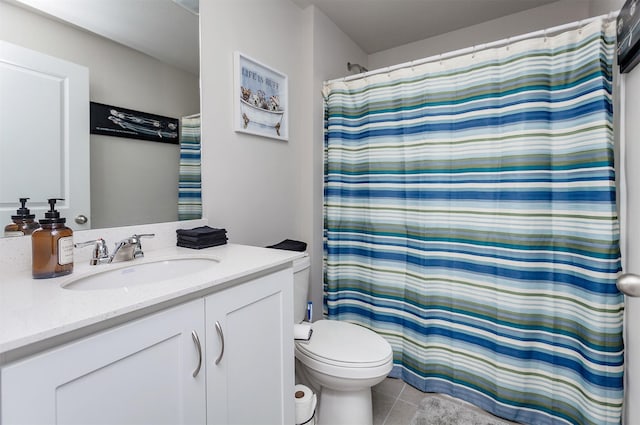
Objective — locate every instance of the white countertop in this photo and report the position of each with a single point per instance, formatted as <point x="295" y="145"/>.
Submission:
<point x="34" y="310"/>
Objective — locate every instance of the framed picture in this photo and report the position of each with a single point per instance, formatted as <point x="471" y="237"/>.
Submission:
<point x="261" y="97"/>
<point x="120" y="122"/>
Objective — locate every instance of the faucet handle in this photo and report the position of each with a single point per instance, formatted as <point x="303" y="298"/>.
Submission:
<point x="100" y="250"/>
<point x="138" y="249"/>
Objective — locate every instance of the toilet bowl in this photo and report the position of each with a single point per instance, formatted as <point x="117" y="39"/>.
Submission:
<point x="344" y="360"/>
<point x="341" y="361"/>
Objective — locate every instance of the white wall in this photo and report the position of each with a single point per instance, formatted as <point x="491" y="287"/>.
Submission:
<point x="132" y="181"/>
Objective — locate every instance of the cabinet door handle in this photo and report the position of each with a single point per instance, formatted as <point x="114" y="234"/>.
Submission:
<point x="221" y="337"/>
<point x="196" y="341"/>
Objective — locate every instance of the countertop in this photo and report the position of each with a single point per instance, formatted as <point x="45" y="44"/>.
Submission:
<point x="32" y="311"/>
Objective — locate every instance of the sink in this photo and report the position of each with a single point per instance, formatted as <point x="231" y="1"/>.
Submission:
<point x="126" y="275"/>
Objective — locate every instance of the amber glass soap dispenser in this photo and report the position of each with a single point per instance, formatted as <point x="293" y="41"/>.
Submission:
<point x="52" y="245"/>
<point x="23" y="221"/>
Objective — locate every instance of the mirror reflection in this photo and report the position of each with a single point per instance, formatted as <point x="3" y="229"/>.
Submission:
<point x="141" y="56"/>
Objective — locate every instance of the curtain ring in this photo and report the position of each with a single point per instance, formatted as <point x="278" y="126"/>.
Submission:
<point x="545" y="35"/>
<point x="473" y="53"/>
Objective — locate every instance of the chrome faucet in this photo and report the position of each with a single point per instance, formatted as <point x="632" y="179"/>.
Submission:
<point x="126" y="250"/>
<point x="137" y="252"/>
<point x="100" y="251"/>
<point x="129" y="248"/>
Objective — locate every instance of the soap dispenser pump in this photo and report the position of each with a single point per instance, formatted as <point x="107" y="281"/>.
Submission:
<point x="52" y="245"/>
<point x="23" y="221"/>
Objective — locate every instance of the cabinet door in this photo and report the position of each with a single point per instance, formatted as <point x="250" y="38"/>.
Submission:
<point x="253" y="382"/>
<point x="140" y="372"/>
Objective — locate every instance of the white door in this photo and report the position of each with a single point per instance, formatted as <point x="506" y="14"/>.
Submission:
<point x="632" y="235"/>
<point x="139" y="373"/>
<point x="44" y="135"/>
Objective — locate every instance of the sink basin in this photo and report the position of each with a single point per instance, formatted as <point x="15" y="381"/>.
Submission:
<point x="126" y="275"/>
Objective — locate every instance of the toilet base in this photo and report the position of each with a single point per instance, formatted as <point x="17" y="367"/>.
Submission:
<point x="345" y="407"/>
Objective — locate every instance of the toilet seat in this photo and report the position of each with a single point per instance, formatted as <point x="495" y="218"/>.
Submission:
<point x="346" y="350"/>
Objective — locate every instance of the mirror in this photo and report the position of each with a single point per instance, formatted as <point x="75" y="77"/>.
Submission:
<point x="142" y="56"/>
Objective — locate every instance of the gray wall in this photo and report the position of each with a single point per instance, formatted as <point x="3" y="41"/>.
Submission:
<point x="553" y="14"/>
<point x="631" y="254"/>
<point x="263" y="190"/>
<point x="251" y="183"/>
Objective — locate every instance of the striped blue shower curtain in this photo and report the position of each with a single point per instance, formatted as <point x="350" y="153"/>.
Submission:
<point x="190" y="180"/>
<point x="470" y="219"/>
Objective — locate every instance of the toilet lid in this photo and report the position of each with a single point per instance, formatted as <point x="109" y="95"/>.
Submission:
<point x="337" y="342"/>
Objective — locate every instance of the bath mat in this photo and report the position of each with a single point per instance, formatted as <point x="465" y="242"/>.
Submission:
<point x="437" y="409"/>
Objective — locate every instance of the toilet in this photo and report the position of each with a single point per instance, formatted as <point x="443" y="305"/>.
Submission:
<point x="341" y="361"/>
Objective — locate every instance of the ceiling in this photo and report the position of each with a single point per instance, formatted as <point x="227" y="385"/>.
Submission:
<point x="377" y="25"/>
<point x="165" y="30"/>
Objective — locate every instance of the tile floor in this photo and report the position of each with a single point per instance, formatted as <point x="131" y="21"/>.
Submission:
<point x="394" y="402"/>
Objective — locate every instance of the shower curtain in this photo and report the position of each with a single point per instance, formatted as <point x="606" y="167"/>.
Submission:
<point x="470" y="219"/>
<point x="190" y="182"/>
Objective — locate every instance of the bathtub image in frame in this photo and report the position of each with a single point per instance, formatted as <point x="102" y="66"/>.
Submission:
<point x="261" y="95"/>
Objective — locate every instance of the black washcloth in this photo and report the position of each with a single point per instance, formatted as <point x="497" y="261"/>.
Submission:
<point x="201" y="246"/>
<point x="204" y="239"/>
<point x="199" y="232"/>
<point x="290" y="245"/>
<point x="201" y="237"/>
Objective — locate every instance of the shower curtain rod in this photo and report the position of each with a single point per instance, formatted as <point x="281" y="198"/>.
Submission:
<point x="477" y="48"/>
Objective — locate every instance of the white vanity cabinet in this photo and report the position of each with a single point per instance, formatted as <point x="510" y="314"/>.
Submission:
<point x="139" y="372"/>
<point x="250" y="353"/>
<point x="152" y="371"/>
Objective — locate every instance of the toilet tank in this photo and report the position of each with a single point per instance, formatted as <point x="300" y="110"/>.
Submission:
<point x="301" y="273"/>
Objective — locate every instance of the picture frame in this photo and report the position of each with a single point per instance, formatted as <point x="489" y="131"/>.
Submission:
<point x="261" y="99"/>
<point x="108" y="120"/>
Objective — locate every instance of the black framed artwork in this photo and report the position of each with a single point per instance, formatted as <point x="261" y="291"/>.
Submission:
<point x="114" y="121"/>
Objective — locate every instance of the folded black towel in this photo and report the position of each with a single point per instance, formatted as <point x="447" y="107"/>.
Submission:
<point x="202" y="239"/>
<point x="202" y="231"/>
<point x="213" y="242"/>
<point x="290" y="245"/>
<point x="200" y="246"/>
